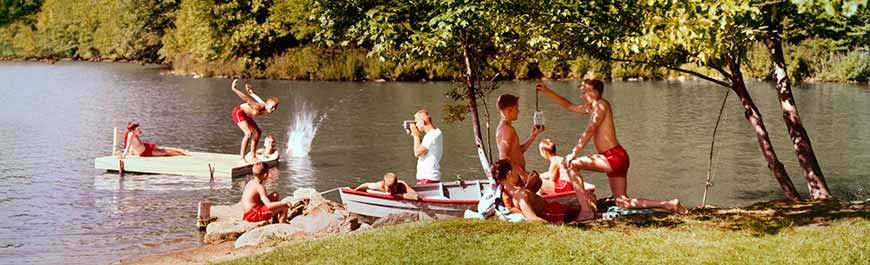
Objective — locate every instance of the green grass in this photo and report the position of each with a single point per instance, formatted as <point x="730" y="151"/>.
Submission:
<point x="768" y="234"/>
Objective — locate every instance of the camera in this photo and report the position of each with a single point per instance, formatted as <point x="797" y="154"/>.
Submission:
<point x="407" y="125"/>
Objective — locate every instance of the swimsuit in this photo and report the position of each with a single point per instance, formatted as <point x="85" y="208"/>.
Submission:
<point x="618" y="159"/>
<point x="258" y="213"/>
<point x="426" y="181"/>
<point x="148" y="148"/>
<point x="239" y="115"/>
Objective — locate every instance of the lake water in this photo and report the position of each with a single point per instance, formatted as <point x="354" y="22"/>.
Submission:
<point x="55" y="119"/>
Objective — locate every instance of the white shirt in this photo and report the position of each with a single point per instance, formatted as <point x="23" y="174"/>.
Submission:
<point x="428" y="164"/>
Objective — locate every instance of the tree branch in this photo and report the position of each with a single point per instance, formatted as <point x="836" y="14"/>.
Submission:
<point x="702" y="76"/>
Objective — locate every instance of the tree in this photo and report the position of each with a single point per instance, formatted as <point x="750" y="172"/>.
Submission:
<point x="467" y="34"/>
<point x="668" y="34"/>
<point x="807" y="12"/>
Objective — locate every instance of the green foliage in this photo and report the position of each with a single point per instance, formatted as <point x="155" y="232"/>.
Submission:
<point x="12" y="10"/>
<point x="854" y="66"/>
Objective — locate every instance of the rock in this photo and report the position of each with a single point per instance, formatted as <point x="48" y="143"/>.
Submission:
<point x="227" y="212"/>
<point x="304" y="194"/>
<point x="394" y="219"/>
<point x="317" y="224"/>
<point x="364" y="227"/>
<point x="228" y="230"/>
<point x="269" y="233"/>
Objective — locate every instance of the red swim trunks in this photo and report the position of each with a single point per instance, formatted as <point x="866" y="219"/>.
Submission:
<point x="618" y="159"/>
<point x="258" y="213"/>
<point x="239" y="115"/>
<point x="148" y="149"/>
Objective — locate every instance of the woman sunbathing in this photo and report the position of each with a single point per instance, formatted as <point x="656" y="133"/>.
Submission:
<point x="134" y="144"/>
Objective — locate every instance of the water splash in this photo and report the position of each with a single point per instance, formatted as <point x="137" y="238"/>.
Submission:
<point x="302" y="130"/>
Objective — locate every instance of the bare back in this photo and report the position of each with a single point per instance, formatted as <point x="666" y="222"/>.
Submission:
<point x="509" y="144"/>
<point x="136" y="145"/>
<point x="251" y="195"/>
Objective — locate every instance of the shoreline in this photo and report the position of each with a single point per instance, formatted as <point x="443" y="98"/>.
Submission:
<point x="781" y="215"/>
<point x="170" y="70"/>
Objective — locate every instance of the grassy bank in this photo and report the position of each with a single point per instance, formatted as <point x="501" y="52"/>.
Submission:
<point x="772" y="233"/>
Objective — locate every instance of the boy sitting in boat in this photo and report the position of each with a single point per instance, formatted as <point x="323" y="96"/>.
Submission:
<point x="551" y="180"/>
<point x="269" y="151"/>
<point x="257" y="205"/>
<point x="244" y="114"/>
<point x="392" y="185"/>
<point x="521" y="199"/>
<point x="133" y="143"/>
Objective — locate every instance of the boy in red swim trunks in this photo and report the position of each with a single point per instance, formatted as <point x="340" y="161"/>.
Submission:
<point x="259" y="206"/>
<point x="611" y="158"/>
<point x="132" y="143"/>
<point x="244" y="114"/>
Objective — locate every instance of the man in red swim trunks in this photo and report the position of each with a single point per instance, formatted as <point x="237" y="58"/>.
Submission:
<point x="611" y="158"/>
<point x="244" y="114"/>
<point x="259" y="206"/>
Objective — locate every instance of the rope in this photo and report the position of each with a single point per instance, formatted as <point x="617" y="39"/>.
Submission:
<point x="709" y="182"/>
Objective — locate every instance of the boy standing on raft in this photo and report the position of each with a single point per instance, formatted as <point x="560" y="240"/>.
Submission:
<point x="243" y="116"/>
<point x="611" y="158"/>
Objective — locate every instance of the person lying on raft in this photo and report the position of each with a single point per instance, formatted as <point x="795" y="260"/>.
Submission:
<point x="392" y="185"/>
<point x="132" y="143"/>
<point x="520" y="198"/>
<point x="244" y="114"/>
<point x="257" y="205"/>
<point x="269" y="151"/>
<point x="611" y="158"/>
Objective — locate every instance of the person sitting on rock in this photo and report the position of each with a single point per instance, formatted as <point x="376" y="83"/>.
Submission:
<point x="269" y="151"/>
<point x="392" y="185"/>
<point x="257" y="205"/>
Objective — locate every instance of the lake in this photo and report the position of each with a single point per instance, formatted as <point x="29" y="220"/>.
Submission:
<point x="56" y="118"/>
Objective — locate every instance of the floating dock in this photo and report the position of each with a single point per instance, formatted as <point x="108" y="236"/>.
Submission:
<point x="196" y="164"/>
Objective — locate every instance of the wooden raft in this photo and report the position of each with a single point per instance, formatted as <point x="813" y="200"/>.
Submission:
<point x="197" y="164"/>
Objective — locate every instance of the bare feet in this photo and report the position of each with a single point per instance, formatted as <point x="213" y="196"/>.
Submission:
<point x="678" y="207"/>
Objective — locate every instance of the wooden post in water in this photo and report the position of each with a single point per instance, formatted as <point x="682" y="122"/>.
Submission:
<point x="115" y="142"/>
<point x="203" y="214"/>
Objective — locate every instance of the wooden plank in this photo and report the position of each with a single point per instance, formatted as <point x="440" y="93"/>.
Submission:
<point x="196" y="164"/>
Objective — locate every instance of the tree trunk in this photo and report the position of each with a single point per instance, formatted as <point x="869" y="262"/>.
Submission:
<point x="800" y="139"/>
<point x="754" y="117"/>
<point x="471" y="93"/>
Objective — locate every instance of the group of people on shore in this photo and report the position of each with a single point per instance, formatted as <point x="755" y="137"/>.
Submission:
<point x="521" y="189"/>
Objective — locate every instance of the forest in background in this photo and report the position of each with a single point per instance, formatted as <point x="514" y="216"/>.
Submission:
<point x="278" y="39"/>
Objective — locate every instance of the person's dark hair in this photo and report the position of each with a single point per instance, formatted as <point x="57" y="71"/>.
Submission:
<point x="259" y="168"/>
<point x="500" y="169"/>
<point x="507" y="101"/>
<point x="596" y="84"/>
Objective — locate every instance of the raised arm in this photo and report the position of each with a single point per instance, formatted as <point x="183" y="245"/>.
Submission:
<point x="528" y="142"/>
<point x="419" y="148"/>
<point x="582" y="109"/>
<point x="245" y="98"/>
<point x="250" y="90"/>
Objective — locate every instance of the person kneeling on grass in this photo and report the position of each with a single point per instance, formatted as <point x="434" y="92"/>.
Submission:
<point x="256" y="204"/>
<point x="391" y="185"/>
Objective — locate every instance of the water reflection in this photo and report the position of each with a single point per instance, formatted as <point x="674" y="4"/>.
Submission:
<point x="301" y="173"/>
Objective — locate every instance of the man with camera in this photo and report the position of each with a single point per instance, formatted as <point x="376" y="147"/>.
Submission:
<point x="427" y="149"/>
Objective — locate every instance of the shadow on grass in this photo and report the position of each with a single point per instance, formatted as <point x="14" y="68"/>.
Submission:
<point x="765" y="218"/>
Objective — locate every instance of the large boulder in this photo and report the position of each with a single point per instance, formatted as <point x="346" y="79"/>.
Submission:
<point x="226" y="230"/>
<point x="269" y="233"/>
<point x="304" y="194"/>
<point x="327" y="223"/>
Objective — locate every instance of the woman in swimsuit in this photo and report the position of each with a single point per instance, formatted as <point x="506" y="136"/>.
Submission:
<point x="133" y="143"/>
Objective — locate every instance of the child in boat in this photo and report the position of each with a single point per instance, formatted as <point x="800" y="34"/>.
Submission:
<point x="257" y="205"/>
<point x="244" y="114"/>
<point x="132" y="143"/>
<point x="392" y="185"/>
<point x="551" y="180"/>
<point x="521" y="199"/>
<point x="269" y="151"/>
